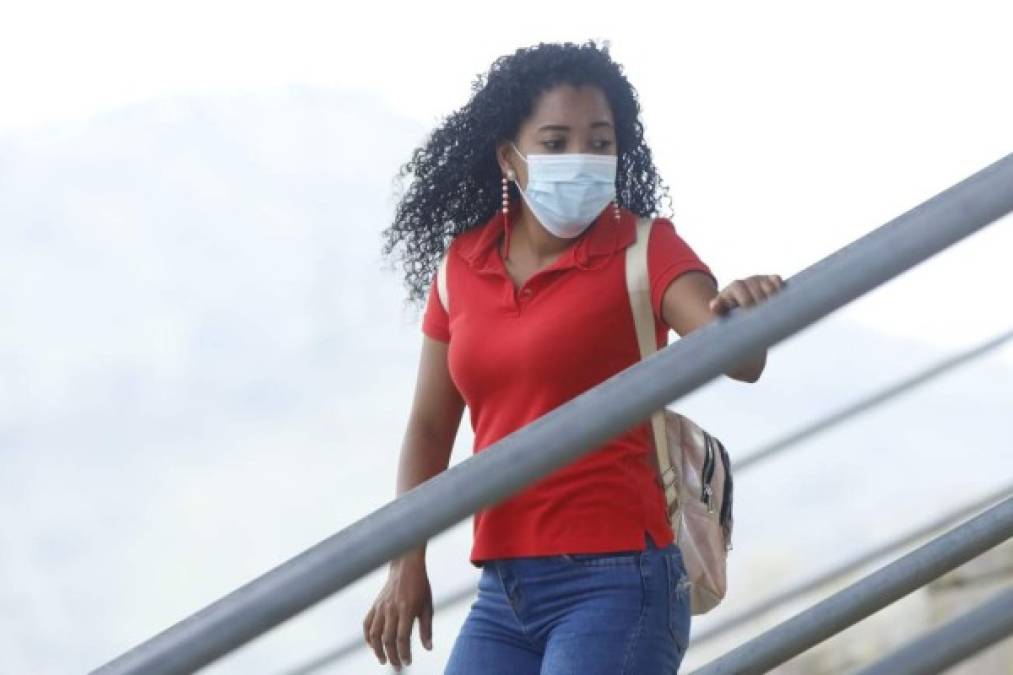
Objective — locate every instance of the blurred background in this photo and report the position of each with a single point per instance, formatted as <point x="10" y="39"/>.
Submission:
<point x="206" y="367"/>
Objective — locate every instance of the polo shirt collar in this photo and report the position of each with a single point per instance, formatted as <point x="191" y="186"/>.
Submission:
<point x="603" y="237"/>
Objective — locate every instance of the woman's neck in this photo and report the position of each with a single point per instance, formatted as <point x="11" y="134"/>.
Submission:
<point x="528" y="237"/>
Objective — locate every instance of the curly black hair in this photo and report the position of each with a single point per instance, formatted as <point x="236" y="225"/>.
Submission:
<point x="455" y="179"/>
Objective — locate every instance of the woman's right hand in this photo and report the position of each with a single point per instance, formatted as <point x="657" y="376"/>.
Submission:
<point x="405" y="597"/>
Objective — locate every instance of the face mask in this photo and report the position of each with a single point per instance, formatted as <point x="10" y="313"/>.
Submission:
<point x="567" y="192"/>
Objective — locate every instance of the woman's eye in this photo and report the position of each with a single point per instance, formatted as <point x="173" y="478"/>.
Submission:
<point x="553" y="144"/>
<point x="602" y="144"/>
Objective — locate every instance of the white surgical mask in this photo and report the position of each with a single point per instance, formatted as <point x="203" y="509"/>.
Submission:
<point x="567" y="192"/>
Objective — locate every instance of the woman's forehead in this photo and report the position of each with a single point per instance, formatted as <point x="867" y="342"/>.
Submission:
<point x="569" y="105"/>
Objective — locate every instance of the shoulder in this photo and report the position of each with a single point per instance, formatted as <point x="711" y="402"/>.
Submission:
<point x="663" y="228"/>
<point x="656" y="226"/>
<point x="665" y="239"/>
<point x="669" y="254"/>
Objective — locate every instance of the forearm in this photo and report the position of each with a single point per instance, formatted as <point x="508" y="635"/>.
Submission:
<point x="424" y="454"/>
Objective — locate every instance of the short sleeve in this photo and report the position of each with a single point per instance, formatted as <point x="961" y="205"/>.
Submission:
<point x="669" y="256"/>
<point x="435" y="322"/>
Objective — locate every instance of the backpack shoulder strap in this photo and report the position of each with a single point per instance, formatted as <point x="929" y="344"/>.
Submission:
<point x="441" y="284"/>
<point x="639" y="289"/>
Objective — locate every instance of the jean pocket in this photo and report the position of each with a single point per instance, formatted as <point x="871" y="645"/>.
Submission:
<point x="601" y="559"/>
<point x="678" y="600"/>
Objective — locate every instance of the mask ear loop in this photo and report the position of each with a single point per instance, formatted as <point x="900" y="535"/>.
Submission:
<point x="518" y="152"/>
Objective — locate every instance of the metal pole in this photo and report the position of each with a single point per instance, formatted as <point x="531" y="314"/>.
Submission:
<point x="953" y="642"/>
<point x="868" y="403"/>
<point x="463" y="594"/>
<point x="840" y="570"/>
<point x="793" y="438"/>
<point x="868" y="595"/>
<point x="574" y="429"/>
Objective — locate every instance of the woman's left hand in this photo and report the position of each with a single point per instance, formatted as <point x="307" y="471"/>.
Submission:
<point x="745" y="292"/>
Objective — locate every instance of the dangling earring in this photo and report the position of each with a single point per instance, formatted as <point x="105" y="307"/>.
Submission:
<point x="615" y="208"/>
<point x="506" y="197"/>
<point x="505" y="182"/>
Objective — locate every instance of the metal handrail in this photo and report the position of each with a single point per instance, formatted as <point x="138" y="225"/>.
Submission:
<point x="952" y="642"/>
<point x="846" y="567"/>
<point x="868" y="595"/>
<point x="868" y="402"/>
<point x="465" y="593"/>
<point x="574" y="429"/>
<point x="462" y="595"/>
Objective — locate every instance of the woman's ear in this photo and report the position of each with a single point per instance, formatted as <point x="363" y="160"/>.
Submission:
<point x="502" y="152"/>
<point x="506" y="158"/>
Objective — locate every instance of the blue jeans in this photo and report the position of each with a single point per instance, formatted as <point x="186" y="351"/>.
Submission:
<point x="608" y="614"/>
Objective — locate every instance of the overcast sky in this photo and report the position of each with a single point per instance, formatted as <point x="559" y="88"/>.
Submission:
<point x="786" y="129"/>
<point x="203" y="369"/>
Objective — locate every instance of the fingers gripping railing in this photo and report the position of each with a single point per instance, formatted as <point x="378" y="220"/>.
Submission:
<point x="574" y="429"/>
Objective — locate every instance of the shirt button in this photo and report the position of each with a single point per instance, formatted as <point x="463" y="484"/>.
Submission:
<point x="526" y="293"/>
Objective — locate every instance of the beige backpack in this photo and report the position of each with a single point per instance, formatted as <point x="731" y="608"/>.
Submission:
<point x="694" y="466"/>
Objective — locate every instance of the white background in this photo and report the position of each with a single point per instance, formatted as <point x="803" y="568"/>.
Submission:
<point x="205" y="367"/>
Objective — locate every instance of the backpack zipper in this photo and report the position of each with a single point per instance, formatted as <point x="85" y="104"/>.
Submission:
<point x="706" y="493"/>
<point x="726" y="501"/>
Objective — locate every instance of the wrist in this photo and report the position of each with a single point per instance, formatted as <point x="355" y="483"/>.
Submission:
<point x="413" y="558"/>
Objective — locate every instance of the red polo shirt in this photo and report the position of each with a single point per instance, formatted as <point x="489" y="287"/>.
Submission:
<point x="516" y="354"/>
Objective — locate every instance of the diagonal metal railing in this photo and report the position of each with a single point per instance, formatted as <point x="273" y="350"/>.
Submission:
<point x="867" y="403"/>
<point x="952" y="642"/>
<point x="791" y="439"/>
<point x="573" y="429"/>
<point x="868" y="595"/>
<point x="847" y="567"/>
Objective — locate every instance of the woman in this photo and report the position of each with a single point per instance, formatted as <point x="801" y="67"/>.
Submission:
<point x="537" y="183"/>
